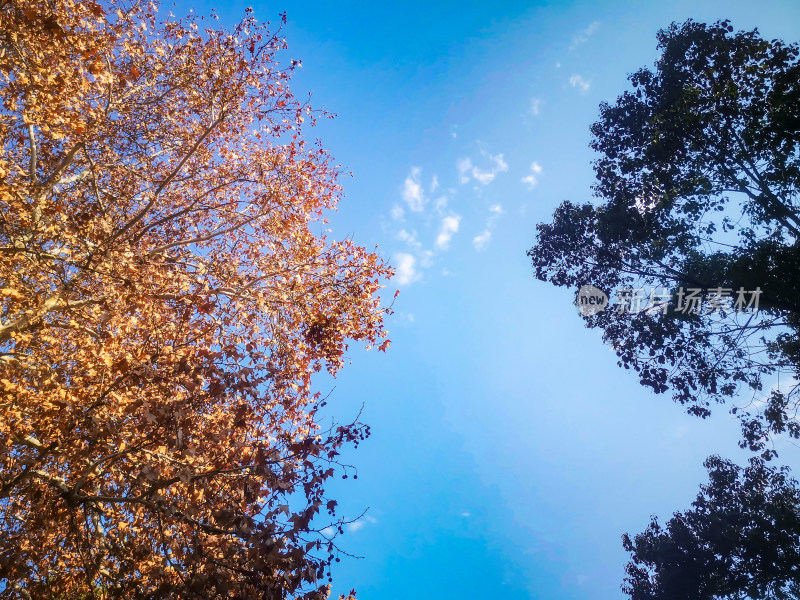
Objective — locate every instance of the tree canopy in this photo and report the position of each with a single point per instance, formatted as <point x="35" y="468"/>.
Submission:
<point x="167" y="291"/>
<point x="738" y="542"/>
<point x="697" y="181"/>
<point x="695" y="234"/>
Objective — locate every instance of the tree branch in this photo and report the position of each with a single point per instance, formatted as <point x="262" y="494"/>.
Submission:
<point x="140" y="215"/>
<point x="33" y="162"/>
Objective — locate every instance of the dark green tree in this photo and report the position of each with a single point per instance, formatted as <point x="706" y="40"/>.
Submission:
<point x="698" y="171"/>
<point x="738" y="542"/>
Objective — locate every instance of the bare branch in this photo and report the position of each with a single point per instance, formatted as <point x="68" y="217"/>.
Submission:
<point x="55" y="178"/>
<point x="204" y="238"/>
<point x="33" y="162"/>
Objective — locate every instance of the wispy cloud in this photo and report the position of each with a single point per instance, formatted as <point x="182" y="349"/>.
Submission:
<point x="397" y="212"/>
<point x="464" y="166"/>
<point x="405" y="265"/>
<point x="448" y="228"/>
<point x="418" y="210"/>
<point x="531" y="179"/>
<point x="484" y="176"/>
<point x="423" y="224"/>
<point x="579" y="82"/>
<point x="481" y="241"/>
<point x="409" y="238"/>
<point x="361" y="523"/>
<point x="536" y="106"/>
<point x="405" y="318"/>
<point x="583" y="36"/>
<point x="413" y="195"/>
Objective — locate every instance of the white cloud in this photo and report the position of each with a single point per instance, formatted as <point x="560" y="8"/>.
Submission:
<point x="486" y="177"/>
<point x="412" y="191"/>
<point x="536" y="106"/>
<point x="465" y="514"/>
<point x="361" y="522"/>
<point x="464" y="165"/>
<point x="406" y="266"/>
<point x="422" y="211"/>
<point x="531" y="180"/>
<point x="397" y="212"/>
<point x="579" y="82"/>
<point x="448" y="228"/>
<point x="583" y="36"/>
<point x="409" y="238"/>
<point x="426" y="259"/>
<point x="328" y="531"/>
<point x="405" y="318"/>
<point x="481" y="241"/>
<point x="482" y="176"/>
<point x="784" y="385"/>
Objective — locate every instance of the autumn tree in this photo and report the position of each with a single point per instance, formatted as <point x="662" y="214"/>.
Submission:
<point x="167" y="291"/>
<point x="698" y="172"/>
<point x="738" y="541"/>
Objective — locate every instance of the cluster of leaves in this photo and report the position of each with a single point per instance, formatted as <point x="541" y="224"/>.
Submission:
<point x="697" y="176"/>
<point x="164" y="303"/>
<point x="738" y="542"/>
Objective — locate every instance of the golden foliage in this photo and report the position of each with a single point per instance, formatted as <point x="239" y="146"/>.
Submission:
<point x="164" y="304"/>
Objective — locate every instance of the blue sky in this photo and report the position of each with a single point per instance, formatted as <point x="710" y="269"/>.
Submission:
<point x="509" y="453"/>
